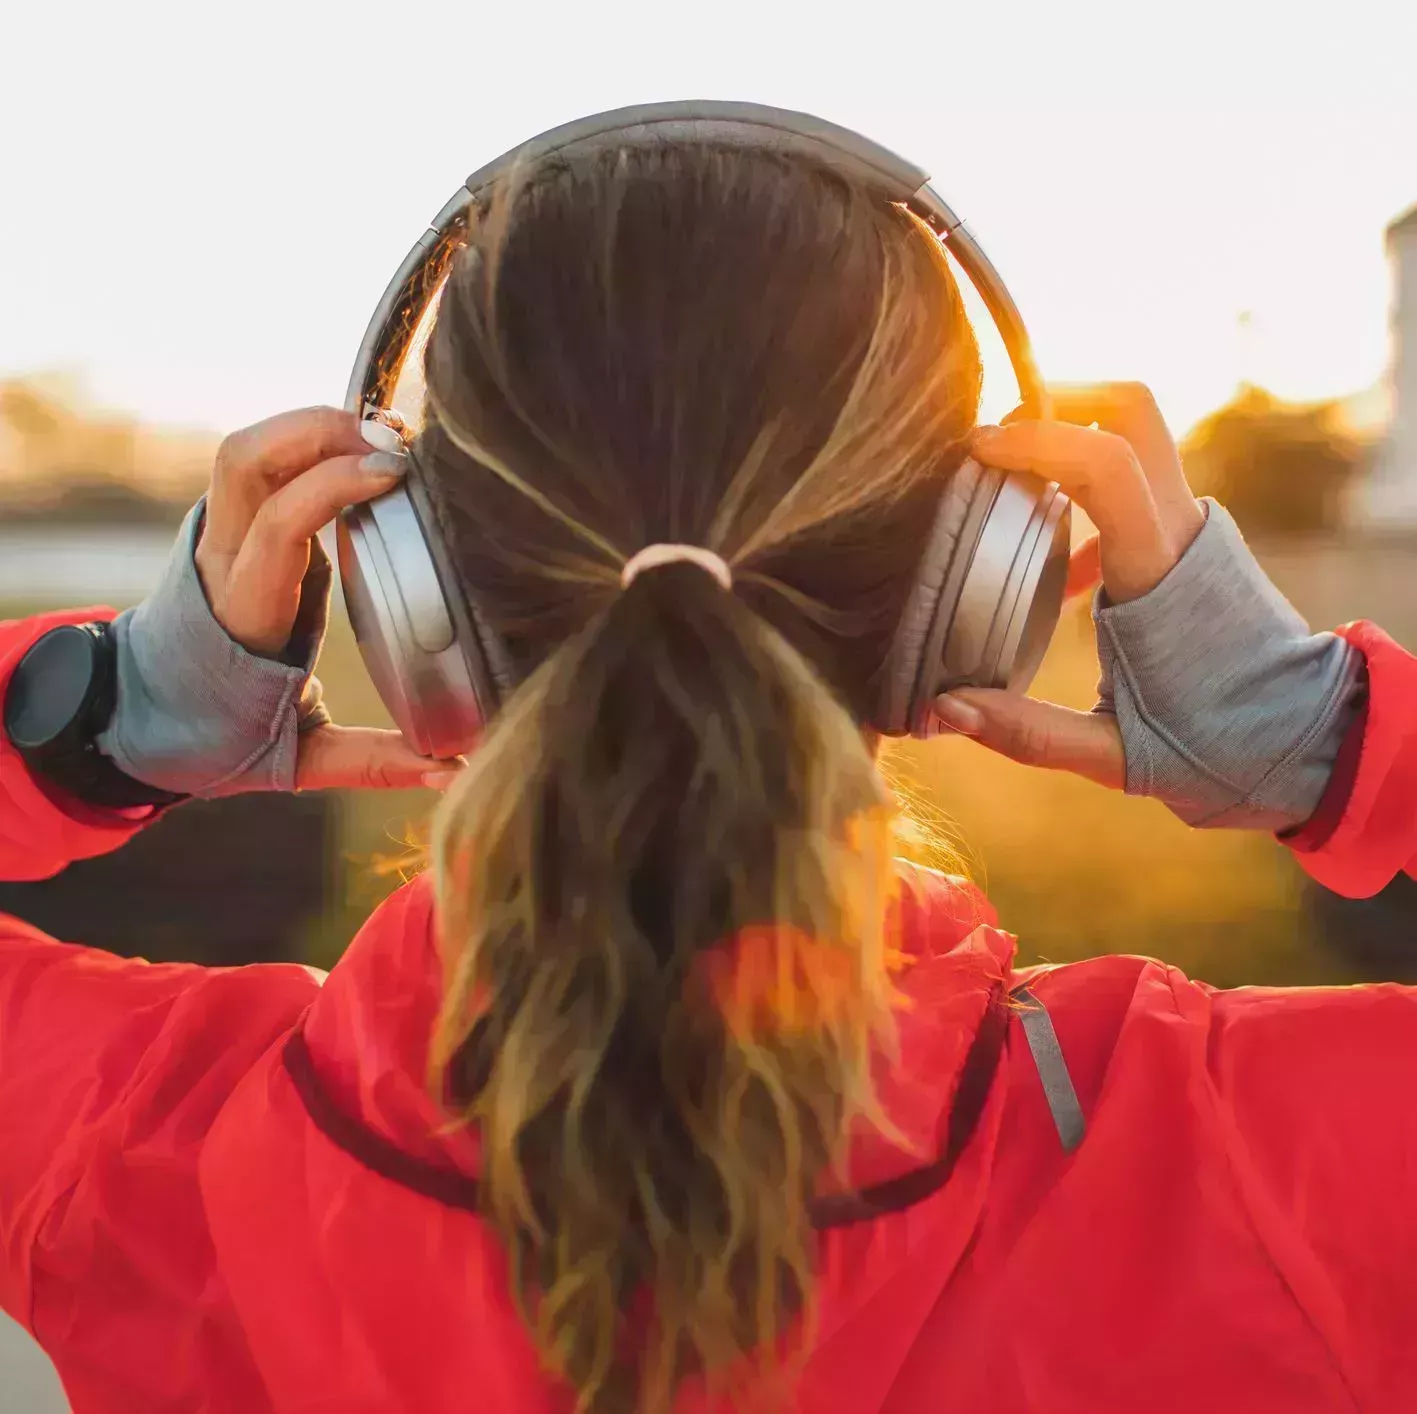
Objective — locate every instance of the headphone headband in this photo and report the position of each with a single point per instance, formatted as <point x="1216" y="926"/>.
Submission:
<point x="752" y="126"/>
<point x="989" y="584"/>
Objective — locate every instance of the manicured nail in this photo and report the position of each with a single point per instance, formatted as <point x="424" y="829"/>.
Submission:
<point x="959" y="715"/>
<point x="982" y="436"/>
<point x="380" y="436"/>
<point x="384" y="464"/>
<point x="440" y="780"/>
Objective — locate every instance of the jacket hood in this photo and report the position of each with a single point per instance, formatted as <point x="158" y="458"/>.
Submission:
<point x="368" y="1031"/>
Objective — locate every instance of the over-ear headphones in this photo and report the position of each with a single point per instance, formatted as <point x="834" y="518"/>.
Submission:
<point x="989" y="587"/>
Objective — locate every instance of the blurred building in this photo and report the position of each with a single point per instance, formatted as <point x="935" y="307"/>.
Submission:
<point x="1387" y="497"/>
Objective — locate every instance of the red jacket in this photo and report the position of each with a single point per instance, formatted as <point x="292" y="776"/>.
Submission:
<point x="220" y="1189"/>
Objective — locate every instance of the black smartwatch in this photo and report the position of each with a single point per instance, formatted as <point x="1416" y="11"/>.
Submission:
<point x="61" y="696"/>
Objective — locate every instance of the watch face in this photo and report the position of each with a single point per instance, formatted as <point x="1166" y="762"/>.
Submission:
<point x="51" y="691"/>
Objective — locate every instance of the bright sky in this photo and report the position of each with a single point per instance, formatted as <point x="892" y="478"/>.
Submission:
<point x="203" y="201"/>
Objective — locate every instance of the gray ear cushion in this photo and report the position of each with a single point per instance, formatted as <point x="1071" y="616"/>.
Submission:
<point x="489" y="664"/>
<point x="911" y="668"/>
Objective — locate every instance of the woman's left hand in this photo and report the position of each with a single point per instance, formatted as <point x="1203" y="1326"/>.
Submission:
<point x="216" y="693"/>
<point x="274" y="485"/>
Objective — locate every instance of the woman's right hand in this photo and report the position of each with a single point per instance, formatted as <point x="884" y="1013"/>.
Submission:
<point x="1109" y="448"/>
<point x="1215" y="697"/>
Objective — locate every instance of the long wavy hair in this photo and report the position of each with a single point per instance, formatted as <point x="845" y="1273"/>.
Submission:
<point x="664" y="880"/>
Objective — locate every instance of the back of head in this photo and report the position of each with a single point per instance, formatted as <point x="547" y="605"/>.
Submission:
<point x="663" y="880"/>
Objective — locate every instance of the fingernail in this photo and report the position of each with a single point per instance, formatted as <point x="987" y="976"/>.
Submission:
<point x="958" y="715"/>
<point x="385" y="438"/>
<point x="985" y="435"/>
<point x="439" y="780"/>
<point x="384" y="464"/>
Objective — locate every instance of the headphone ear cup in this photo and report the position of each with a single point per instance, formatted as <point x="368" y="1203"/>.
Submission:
<point x="987" y="596"/>
<point x="427" y="667"/>
<point x="920" y="634"/>
<point x="489" y="664"/>
<point x="1012" y="595"/>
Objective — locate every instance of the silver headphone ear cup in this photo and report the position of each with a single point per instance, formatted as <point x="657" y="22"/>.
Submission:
<point x="919" y="639"/>
<point x="489" y="664"/>
<point x="1012" y="593"/>
<point x="988" y="593"/>
<point x="405" y="630"/>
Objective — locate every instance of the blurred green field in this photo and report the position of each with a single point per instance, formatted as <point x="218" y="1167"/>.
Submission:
<point x="1073" y="870"/>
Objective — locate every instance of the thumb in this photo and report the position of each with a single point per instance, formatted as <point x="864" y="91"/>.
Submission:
<point x="1037" y="733"/>
<point x="1084" y="568"/>
<point x="364" y="758"/>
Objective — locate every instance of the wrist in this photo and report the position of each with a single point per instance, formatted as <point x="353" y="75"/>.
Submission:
<point x="201" y="714"/>
<point x="1230" y="708"/>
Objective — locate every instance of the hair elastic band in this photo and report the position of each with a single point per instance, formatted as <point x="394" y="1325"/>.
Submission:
<point x="653" y="556"/>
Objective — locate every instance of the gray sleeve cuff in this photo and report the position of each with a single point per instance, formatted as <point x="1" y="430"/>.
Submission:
<point x="196" y="712"/>
<point x="1231" y="711"/>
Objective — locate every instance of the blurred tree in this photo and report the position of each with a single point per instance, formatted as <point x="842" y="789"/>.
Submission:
<point x="88" y="501"/>
<point x="1281" y="468"/>
<point x="220" y="882"/>
<point x="63" y="461"/>
<point x="1375" y="936"/>
<point x="33" y="410"/>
